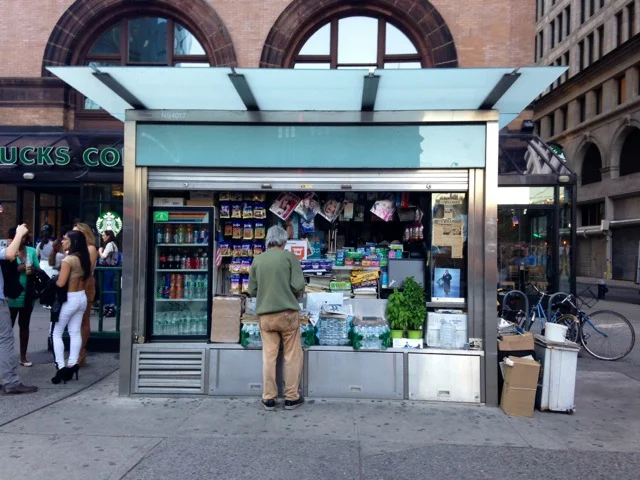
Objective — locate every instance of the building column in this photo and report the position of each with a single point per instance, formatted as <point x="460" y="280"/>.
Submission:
<point x="608" y="215"/>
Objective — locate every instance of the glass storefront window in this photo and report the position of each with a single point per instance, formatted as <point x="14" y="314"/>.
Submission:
<point x="448" y="247"/>
<point x="525" y="242"/>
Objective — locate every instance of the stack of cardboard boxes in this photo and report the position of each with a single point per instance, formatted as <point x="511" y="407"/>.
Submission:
<point x="520" y="372"/>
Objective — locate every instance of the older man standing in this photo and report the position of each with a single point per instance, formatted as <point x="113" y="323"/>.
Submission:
<point x="276" y="280"/>
<point x="8" y="361"/>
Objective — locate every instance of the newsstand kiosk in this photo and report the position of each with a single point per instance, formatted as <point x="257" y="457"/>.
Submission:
<point x="402" y="165"/>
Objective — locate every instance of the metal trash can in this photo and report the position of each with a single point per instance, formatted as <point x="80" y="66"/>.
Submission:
<point x="559" y="363"/>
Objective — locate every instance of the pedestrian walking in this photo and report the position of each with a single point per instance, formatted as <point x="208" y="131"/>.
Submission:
<point x="90" y="289"/>
<point x="21" y="307"/>
<point x="9" y="377"/>
<point x="74" y="272"/>
<point x="276" y="281"/>
<point x="44" y="248"/>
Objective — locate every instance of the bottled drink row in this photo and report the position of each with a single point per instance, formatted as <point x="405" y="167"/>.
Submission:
<point x="182" y="233"/>
<point x="178" y="287"/>
<point x="176" y="322"/>
<point x="171" y="259"/>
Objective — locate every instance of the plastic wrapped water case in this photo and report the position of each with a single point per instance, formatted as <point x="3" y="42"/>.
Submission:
<point x="434" y="322"/>
<point x="333" y="330"/>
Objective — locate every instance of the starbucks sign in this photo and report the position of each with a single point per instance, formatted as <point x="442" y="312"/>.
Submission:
<point x="109" y="221"/>
<point x="59" y="156"/>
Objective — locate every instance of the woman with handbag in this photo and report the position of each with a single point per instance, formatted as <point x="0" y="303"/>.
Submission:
<point x="90" y="289"/>
<point x="21" y="307"/>
<point x="74" y="273"/>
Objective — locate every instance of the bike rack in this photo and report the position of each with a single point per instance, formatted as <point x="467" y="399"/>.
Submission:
<point x="549" y="306"/>
<point x="526" y="301"/>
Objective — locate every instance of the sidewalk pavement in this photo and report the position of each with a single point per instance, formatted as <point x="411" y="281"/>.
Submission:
<point x="96" y="434"/>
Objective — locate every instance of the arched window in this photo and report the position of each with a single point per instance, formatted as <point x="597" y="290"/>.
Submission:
<point x="357" y="42"/>
<point x="591" y="165"/>
<point x="144" y="41"/>
<point x="630" y="153"/>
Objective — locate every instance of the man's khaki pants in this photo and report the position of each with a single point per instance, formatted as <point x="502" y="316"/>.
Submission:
<point x="273" y="327"/>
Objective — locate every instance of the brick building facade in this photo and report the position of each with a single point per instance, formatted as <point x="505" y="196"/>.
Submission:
<point x="246" y="33"/>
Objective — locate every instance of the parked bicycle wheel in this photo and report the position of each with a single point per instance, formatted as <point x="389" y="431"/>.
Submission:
<point x="607" y="335"/>
<point x="573" y="325"/>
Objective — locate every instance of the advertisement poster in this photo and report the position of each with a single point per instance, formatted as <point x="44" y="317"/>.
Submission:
<point x="383" y="209"/>
<point x="308" y="207"/>
<point x="298" y="247"/>
<point x="447" y="232"/>
<point x="284" y="205"/>
<point x="446" y="285"/>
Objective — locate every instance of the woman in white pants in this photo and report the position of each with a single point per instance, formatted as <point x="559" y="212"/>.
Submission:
<point x="74" y="272"/>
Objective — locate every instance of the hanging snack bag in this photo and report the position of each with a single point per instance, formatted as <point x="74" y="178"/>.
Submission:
<point x="237" y="230"/>
<point x="246" y="265"/>
<point x="259" y="197"/>
<point x="225" y="249"/>
<point x="225" y="210"/>
<point x="228" y="229"/>
<point x="236" y="265"/>
<point x="247" y="210"/>
<point x="258" y="248"/>
<point x="246" y="250"/>
<point x="236" y="284"/>
<point x="248" y="196"/>
<point x="236" y="196"/>
<point x="237" y="250"/>
<point x="260" y="231"/>
<point x="236" y="210"/>
<point x="247" y="231"/>
<point x="245" y="283"/>
<point x="224" y="197"/>
<point x="259" y="210"/>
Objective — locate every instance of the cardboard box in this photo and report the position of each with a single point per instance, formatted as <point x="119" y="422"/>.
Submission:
<point x="519" y="389"/>
<point x="200" y="203"/>
<point x="512" y="343"/>
<point x="225" y="319"/>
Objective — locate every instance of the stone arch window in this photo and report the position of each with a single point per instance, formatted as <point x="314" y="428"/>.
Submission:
<point x="357" y="42"/>
<point x="143" y="41"/>
<point x="376" y="33"/>
<point x="591" y="165"/>
<point x="629" y="154"/>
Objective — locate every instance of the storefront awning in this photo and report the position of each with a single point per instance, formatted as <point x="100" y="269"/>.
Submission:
<point x="117" y="89"/>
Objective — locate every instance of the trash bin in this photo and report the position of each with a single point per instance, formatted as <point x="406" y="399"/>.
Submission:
<point x="559" y="367"/>
<point x="602" y="289"/>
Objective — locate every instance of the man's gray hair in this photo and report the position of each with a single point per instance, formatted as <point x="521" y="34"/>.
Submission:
<point x="276" y="237"/>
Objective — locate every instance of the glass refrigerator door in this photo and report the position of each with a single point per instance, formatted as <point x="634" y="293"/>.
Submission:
<point x="182" y="257"/>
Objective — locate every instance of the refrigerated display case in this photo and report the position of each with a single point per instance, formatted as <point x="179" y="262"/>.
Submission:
<point x="181" y="260"/>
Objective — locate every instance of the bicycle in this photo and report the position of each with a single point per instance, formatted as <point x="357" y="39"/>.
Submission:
<point x="537" y="311"/>
<point x="598" y="330"/>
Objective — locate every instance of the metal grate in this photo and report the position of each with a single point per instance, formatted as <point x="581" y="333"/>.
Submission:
<point x="165" y="370"/>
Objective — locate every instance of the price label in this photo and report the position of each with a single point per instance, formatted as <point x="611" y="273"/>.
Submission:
<point x="306" y="186"/>
<point x="160" y="216"/>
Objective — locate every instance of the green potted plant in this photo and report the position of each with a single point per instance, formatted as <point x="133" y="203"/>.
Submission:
<point x="415" y="306"/>
<point x="397" y="314"/>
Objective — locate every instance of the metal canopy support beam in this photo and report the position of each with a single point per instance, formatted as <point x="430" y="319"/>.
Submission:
<point x="113" y="85"/>
<point x="370" y="92"/>
<point x="246" y="95"/>
<point x="499" y="90"/>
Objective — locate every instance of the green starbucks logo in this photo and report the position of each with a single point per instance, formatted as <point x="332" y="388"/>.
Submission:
<point x="109" y="221"/>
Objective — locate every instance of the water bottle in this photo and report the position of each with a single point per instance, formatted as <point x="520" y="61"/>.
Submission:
<point x="159" y="235"/>
<point x="159" y="325"/>
<point x="447" y="335"/>
<point x="205" y="286"/>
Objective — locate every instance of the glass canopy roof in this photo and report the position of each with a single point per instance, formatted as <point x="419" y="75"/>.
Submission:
<point x="117" y="89"/>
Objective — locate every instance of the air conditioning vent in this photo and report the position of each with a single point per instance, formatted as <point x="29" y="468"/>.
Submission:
<point x="165" y="370"/>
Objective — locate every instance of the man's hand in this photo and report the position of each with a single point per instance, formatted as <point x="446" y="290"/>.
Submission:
<point x="21" y="230"/>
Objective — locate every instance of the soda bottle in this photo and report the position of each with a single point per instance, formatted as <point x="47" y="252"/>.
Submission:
<point x="168" y="235"/>
<point x="183" y="261"/>
<point x="176" y="260"/>
<point x="196" y="234"/>
<point x="195" y="262"/>
<point x="159" y="235"/>
<point x="180" y="233"/>
<point x="166" y="291"/>
<point x="169" y="264"/>
<point x="174" y="237"/>
<point x="204" y="261"/>
<point x="179" y="287"/>
<point x="160" y="291"/>
<point x="187" y="286"/>
<point x="189" y="238"/>
<point x="204" y="235"/>
<point x="162" y="260"/>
